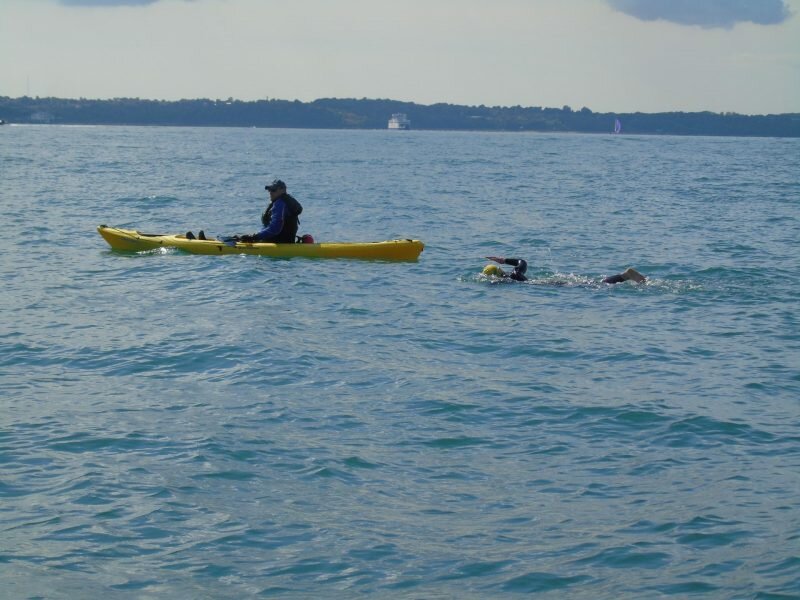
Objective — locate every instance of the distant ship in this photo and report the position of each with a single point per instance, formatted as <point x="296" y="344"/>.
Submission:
<point x="399" y="121"/>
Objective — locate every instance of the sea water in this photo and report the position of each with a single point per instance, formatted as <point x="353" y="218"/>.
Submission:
<point x="181" y="426"/>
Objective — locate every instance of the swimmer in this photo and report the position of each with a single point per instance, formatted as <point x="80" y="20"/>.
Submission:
<point x="520" y="266"/>
<point x="518" y="274"/>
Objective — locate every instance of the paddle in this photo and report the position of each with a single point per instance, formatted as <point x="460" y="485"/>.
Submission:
<point x="232" y="241"/>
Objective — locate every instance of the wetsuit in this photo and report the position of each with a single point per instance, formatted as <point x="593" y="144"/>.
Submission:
<point x="520" y="266"/>
<point x="619" y="278"/>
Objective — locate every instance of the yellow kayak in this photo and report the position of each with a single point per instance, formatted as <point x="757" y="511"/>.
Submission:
<point x="134" y="241"/>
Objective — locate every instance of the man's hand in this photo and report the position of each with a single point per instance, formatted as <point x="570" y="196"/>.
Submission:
<point x="497" y="259"/>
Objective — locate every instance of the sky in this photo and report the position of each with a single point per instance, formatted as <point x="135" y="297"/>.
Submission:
<point x="608" y="55"/>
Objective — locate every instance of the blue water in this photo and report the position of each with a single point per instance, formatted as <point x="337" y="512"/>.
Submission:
<point x="179" y="426"/>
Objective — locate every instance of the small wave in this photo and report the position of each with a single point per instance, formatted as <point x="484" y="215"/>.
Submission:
<point x="230" y="474"/>
<point x="157" y="251"/>
<point x="85" y="442"/>
<point x="790" y="565"/>
<point x="626" y="557"/>
<point x="689" y="588"/>
<point x="478" y="569"/>
<point x="356" y="462"/>
<point x="447" y="443"/>
<point x="705" y="432"/>
<point x="542" y="582"/>
<point x="148" y="201"/>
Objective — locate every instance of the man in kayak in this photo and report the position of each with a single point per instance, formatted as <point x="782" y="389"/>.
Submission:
<point x="520" y="266"/>
<point x="280" y="219"/>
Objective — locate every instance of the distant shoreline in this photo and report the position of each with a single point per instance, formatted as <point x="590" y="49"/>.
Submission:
<point x="416" y="130"/>
<point x="366" y="114"/>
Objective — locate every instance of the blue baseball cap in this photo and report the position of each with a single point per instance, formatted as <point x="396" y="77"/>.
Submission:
<point x="275" y="185"/>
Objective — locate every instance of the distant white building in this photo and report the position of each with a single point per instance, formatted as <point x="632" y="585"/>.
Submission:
<point x="399" y="121"/>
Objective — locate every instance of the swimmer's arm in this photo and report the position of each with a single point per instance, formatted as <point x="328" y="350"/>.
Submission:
<point x="514" y="262"/>
<point x="505" y="261"/>
<point x="627" y="275"/>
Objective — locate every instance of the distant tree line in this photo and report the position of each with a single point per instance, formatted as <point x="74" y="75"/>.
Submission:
<point x="331" y="113"/>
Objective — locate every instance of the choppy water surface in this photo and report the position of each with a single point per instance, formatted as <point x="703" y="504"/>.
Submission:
<point x="225" y="427"/>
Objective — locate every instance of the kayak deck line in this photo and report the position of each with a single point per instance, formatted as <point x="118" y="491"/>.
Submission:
<point x="131" y="240"/>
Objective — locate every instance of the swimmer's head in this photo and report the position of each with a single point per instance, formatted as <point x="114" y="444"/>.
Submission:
<point x="493" y="271"/>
